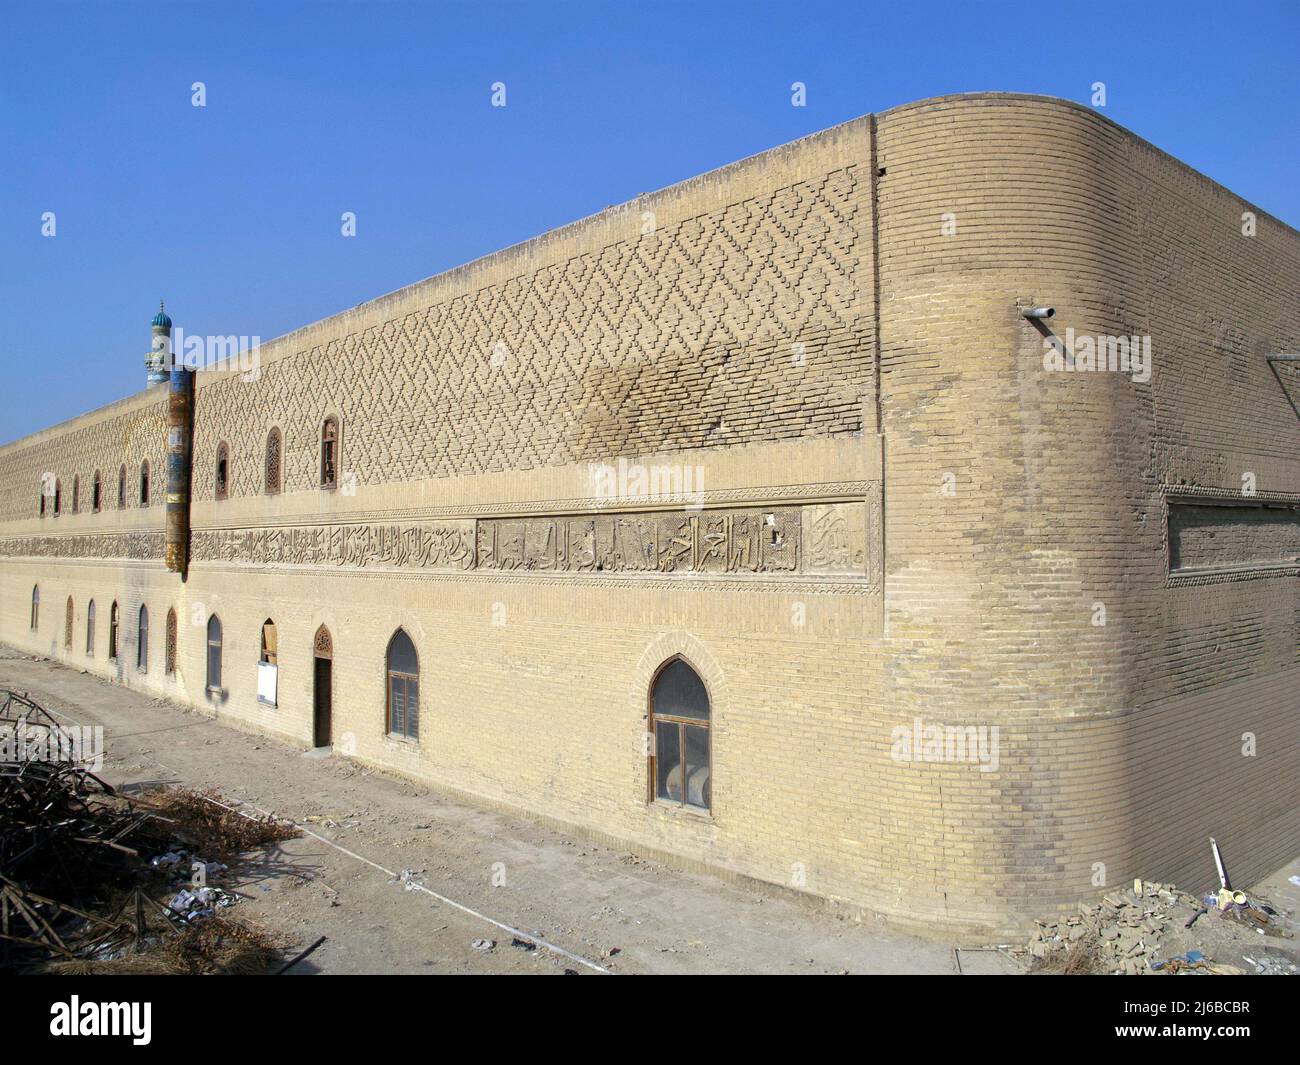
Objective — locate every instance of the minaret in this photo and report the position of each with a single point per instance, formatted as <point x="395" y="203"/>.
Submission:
<point x="159" y="358"/>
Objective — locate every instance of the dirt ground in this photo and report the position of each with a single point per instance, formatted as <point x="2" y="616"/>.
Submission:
<point x="400" y="879"/>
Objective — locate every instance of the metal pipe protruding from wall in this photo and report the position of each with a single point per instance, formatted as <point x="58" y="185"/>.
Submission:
<point x="180" y="434"/>
<point x="1039" y="312"/>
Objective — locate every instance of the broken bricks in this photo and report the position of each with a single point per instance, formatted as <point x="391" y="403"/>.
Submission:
<point x="1127" y="932"/>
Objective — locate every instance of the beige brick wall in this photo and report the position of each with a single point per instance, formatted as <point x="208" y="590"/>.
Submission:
<point x="740" y="338"/>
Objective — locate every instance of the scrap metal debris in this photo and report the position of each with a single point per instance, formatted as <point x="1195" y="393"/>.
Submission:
<point x="84" y="869"/>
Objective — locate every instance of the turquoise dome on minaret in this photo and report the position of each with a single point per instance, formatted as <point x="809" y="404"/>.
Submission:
<point x="158" y="361"/>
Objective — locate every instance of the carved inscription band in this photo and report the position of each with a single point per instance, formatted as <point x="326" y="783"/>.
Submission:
<point x="833" y="538"/>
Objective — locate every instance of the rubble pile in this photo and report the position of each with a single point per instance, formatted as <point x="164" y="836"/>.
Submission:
<point x="84" y="870"/>
<point x="1156" y="928"/>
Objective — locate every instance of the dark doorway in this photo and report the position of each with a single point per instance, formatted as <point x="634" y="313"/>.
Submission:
<point x="322" y="697"/>
<point x="321" y="703"/>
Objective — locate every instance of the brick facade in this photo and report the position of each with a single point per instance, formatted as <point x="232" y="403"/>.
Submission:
<point x="881" y="507"/>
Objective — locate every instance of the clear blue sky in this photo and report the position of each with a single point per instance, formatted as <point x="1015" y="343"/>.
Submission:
<point x="232" y="211"/>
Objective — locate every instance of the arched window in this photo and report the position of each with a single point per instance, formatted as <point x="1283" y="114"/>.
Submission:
<point x="144" y="483"/>
<point x="169" y="652"/>
<point x="58" y="497"/>
<point x="36" y="605"/>
<point x="90" y="628"/>
<point x="403" y="687"/>
<point x="270" y="644"/>
<point x="273" y="462"/>
<point x="112" y="632"/>
<point x="67" y="625"/>
<point x="329" y="453"/>
<point x="214" y="653"/>
<point x="268" y="669"/>
<point x="142" y="644"/>
<point x="679" y="722"/>
<point x="76" y="493"/>
<point x="42" y="499"/>
<point x="96" y="489"/>
<point x="223" y="471"/>
<point x="121" y="488"/>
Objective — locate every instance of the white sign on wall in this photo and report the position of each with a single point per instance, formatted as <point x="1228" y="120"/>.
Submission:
<point x="267" y="677"/>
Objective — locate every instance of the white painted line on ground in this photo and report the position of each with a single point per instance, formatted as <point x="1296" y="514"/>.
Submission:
<point x="544" y="944"/>
<point x="413" y="886"/>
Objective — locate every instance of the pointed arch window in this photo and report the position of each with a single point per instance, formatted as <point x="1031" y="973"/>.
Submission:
<point x="76" y="492"/>
<point x="273" y="463"/>
<point x="223" y="471"/>
<point x="144" y="483"/>
<point x="96" y="494"/>
<point x="121" y="488"/>
<point x="270" y="644"/>
<point x="67" y="624"/>
<point x="680" y="764"/>
<point x="268" y="668"/>
<point x="214" y="653"/>
<point x="90" y="628"/>
<point x="142" y="643"/>
<point x="112" y="632"/>
<point x="329" y="453"/>
<point x="58" y="497"/>
<point x="169" y="651"/>
<point x="403" y="671"/>
<point x="36" y="605"/>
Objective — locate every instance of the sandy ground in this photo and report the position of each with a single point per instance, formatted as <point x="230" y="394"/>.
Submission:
<point x="577" y="907"/>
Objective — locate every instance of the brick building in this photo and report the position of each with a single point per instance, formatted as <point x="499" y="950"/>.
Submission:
<point x="758" y="523"/>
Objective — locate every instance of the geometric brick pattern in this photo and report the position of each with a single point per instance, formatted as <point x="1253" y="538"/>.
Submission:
<point x="103" y="446"/>
<point x="683" y="338"/>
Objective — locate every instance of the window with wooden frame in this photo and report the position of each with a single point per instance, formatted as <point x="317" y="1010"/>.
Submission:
<point x="268" y="666"/>
<point x="169" y="651"/>
<point x="142" y="640"/>
<point x="329" y="453"/>
<point x="270" y="644"/>
<point x="273" y="449"/>
<point x="223" y="471"/>
<point x="112" y="632"/>
<point x="214" y="653"/>
<point x="36" y="605"/>
<point x="403" y="686"/>
<point x="679" y="716"/>
<point x="90" y="628"/>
